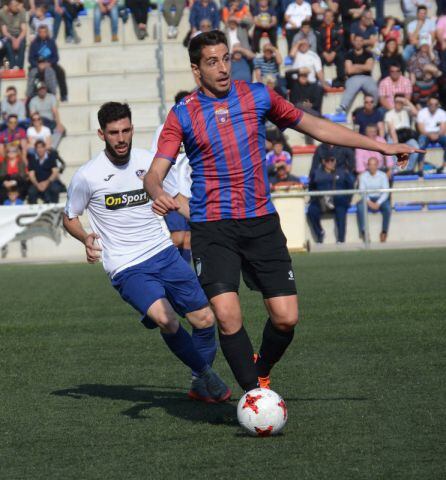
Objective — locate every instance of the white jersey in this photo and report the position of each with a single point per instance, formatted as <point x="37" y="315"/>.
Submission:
<point x="119" y="210"/>
<point x="181" y="167"/>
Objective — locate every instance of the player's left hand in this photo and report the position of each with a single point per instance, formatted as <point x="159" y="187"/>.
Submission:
<point x="401" y="151"/>
<point x="164" y="204"/>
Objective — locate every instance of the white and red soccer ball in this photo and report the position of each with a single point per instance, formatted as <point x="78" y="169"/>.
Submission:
<point x="262" y="412"/>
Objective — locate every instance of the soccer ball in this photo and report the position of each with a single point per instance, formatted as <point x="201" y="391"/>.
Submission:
<point x="262" y="412"/>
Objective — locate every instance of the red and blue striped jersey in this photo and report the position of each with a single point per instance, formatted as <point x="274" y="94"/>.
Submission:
<point x="224" y="139"/>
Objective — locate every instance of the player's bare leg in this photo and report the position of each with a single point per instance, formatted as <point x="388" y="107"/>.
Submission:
<point x="234" y="341"/>
<point x="277" y="334"/>
<point x="182" y="345"/>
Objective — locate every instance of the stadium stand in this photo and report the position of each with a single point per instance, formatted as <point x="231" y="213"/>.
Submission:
<point x="127" y="69"/>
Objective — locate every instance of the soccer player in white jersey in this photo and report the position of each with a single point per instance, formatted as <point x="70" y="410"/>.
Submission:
<point x="178" y="226"/>
<point x="140" y="259"/>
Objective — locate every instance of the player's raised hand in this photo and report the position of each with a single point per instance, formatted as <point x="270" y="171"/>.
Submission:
<point x="92" y="248"/>
<point x="402" y="152"/>
<point x="164" y="204"/>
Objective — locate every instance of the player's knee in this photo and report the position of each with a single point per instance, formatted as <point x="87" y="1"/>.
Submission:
<point x="166" y="323"/>
<point x="287" y="323"/>
<point x="203" y="318"/>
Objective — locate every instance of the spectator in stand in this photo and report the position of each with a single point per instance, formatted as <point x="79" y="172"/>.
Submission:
<point x="71" y="9"/>
<point x="45" y="104"/>
<point x="319" y="8"/>
<point x="44" y="47"/>
<point x="329" y="177"/>
<point x="303" y="57"/>
<point x="13" y="172"/>
<point x="362" y="156"/>
<point x="358" y="68"/>
<point x="395" y="83"/>
<point x="374" y="179"/>
<point x="398" y="125"/>
<point x="13" y="135"/>
<point x="440" y="35"/>
<point x="393" y="30"/>
<point x="426" y="86"/>
<point x="306" y="32"/>
<point x="53" y="8"/>
<point x="11" y="106"/>
<point x="43" y="175"/>
<point x="351" y="10"/>
<point x="38" y="131"/>
<point x="284" y="178"/>
<point x="41" y="73"/>
<point x="330" y="46"/>
<point x="200" y="10"/>
<point x="345" y="157"/>
<point x="265" y="22"/>
<point x="239" y="10"/>
<point x="268" y="64"/>
<point x="424" y="56"/>
<point x="410" y="7"/>
<point x="241" y="63"/>
<point x="13" y="26"/>
<point x="368" y="114"/>
<point x="236" y="34"/>
<point x="102" y="9"/>
<point x="278" y="157"/>
<point x="365" y="28"/>
<point x="13" y="200"/>
<point x="431" y="123"/>
<point x="303" y="94"/>
<point x="205" y="26"/>
<point x="40" y="18"/>
<point x="138" y="9"/>
<point x="420" y="28"/>
<point x="391" y="57"/>
<point x="173" y="13"/>
<point x="296" y="13"/>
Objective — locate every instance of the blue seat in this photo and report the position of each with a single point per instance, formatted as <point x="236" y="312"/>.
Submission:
<point x="408" y="207"/>
<point x="352" y="209"/>
<point x="436" y="206"/>
<point x="405" y="178"/>
<point x="435" y="176"/>
<point x="304" y="179"/>
<point x="288" y="61"/>
<point x="433" y="145"/>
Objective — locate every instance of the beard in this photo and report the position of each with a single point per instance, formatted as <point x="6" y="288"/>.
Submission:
<point x="115" y="157"/>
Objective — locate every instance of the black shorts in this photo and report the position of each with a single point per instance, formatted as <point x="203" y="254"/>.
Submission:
<point x="254" y="246"/>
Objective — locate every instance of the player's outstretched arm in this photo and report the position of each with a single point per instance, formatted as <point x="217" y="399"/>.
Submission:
<point x="74" y="227"/>
<point x="153" y="185"/>
<point x="332" y="133"/>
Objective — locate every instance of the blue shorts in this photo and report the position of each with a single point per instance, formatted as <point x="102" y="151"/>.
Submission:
<point x="176" y="222"/>
<point x="166" y="275"/>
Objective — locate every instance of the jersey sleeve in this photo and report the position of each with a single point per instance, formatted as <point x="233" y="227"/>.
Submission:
<point x="281" y="112"/>
<point x="78" y="196"/>
<point x="170" y="138"/>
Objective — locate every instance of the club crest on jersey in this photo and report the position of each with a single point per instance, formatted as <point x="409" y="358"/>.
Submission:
<point x="133" y="198"/>
<point x="222" y="115"/>
<point x="140" y="173"/>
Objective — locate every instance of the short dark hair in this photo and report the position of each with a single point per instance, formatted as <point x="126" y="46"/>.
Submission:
<point x="40" y="142"/>
<point x="180" y="95"/>
<point x="112" y="111"/>
<point x="12" y="115"/>
<point x="421" y="7"/>
<point x="11" y="88"/>
<point x="205" y="39"/>
<point x="399" y="95"/>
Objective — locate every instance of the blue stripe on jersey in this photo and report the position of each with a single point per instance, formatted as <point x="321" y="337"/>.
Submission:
<point x="219" y="156"/>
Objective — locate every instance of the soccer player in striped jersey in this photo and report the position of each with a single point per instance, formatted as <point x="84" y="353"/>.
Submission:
<point x="234" y="224"/>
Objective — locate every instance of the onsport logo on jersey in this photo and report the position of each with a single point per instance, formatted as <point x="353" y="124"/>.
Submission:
<point x="114" y="201"/>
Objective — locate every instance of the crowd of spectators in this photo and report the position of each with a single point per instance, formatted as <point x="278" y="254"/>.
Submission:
<point x="397" y="64"/>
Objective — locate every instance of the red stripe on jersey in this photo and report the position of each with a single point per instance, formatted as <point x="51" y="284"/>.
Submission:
<point x="212" y="184"/>
<point x="233" y="159"/>
<point x="248" y="107"/>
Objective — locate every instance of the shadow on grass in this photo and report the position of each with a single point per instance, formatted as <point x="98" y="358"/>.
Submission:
<point x="146" y="397"/>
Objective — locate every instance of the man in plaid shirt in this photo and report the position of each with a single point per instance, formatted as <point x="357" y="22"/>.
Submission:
<point x="395" y="83"/>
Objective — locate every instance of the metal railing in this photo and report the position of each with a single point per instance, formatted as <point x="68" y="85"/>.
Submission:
<point x="364" y="195"/>
<point x="161" y="82"/>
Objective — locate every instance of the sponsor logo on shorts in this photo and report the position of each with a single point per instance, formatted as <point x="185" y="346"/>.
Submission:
<point x="290" y="275"/>
<point x="197" y="262"/>
<point x="134" y="198"/>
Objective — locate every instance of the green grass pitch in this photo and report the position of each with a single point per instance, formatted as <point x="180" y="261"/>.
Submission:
<point x="87" y="393"/>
